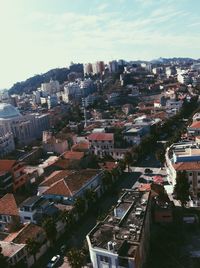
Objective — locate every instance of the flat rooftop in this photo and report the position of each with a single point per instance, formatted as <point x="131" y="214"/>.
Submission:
<point x="123" y="225"/>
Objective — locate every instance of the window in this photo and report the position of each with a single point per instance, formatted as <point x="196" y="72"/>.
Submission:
<point x="27" y="218"/>
<point x="104" y="259"/>
<point x="198" y="173"/>
<point x="190" y="174"/>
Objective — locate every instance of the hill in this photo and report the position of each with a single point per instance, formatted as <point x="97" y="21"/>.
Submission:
<point x="34" y="82"/>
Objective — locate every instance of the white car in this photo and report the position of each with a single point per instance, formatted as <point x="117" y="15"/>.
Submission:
<point x="53" y="261"/>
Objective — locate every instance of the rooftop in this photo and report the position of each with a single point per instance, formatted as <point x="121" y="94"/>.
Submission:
<point x="6" y="165"/>
<point x="7" y="111"/>
<point x="187" y="166"/>
<point x="195" y="124"/>
<point x="81" y="146"/>
<point x="29" y="231"/>
<point x="68" y="186"/>
<point x="73" y="155"/>
<point x="9" y="248"/>
<point x="122" y="228"/>
<point x="55" y="177"/>
<point x="8" y="205"/>
<point x="101" y="136"/>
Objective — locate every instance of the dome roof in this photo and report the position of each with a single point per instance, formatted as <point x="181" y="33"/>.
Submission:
<point x="8" y="111"/>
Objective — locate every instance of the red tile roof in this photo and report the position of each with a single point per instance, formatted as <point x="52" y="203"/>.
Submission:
<point x="73" y="183"/>
<point x="144" y="187"/>
<point x="29" y="231"/>
<point x="55" y="177"/>
<point x="187" y="166"/>
<point x="81" y="146"/>
<point x="62" y="163"/>
<point x="73" y="155"/>
<point x="6" y="165"/>
<point x="195" y="124"/>
<point x="101" y="136"/>
<point x="8" y="205"/>
<point x="59" y="188"/>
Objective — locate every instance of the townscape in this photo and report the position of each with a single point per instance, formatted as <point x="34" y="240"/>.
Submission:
<point x="99" y="166"/>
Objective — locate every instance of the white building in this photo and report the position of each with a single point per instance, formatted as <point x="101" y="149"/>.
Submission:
<point x="7" y="144"/>
<point x="101" y="144"/>
<point x="53" y="144"/>
<point x="50" y="88"/>
<point x="72" y="91"/>
<point x="122" y="238"/>
<point x="24" y="128"/>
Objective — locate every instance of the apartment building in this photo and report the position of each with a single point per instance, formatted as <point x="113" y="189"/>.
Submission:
<point x="122" y="238"/>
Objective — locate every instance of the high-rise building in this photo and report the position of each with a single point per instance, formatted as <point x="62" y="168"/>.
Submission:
<point x="88" y="68"/>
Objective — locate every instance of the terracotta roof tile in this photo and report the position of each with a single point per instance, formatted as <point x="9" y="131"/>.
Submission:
<point x="73" y="155"/>
<point x="29" y="231"/>
<point x="62" y="163"/>
<point x="6" y="165"/>
<point x="195" y="124"/>
<point x="101" y="136"/>
<point x="72" y="183"/>
<point x="81" y="146"/>
<point x="8" y="205"/>
<point x="55" y="177"/>
<point x="59" y="188"/>
<point x="187" y="166"/>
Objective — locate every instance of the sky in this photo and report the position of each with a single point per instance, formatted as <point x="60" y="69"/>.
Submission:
<point x="38" y="35"/>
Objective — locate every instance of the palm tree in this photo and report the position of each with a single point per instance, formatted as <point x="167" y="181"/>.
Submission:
<point x="49" y="226"/>
<point x="115" y="173"/>
<point x="107" y="180"/>
<point x="90" y="197"/>
<point x="128" y="159"/>
<point x="33" y="247"/>
<point x="122" y="165"/>
<point x="80" y="205"/>
<point x="75" y="258"/>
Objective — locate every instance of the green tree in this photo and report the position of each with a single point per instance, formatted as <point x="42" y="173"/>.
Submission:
<point x="33" y="247"/>
<point x="160" y="155"/>
<point x="75" y="258"/>
<point x="91" y="198"/>
<point x="80" y="205"/>
<point x="122" y="165"/>
<point x="182" y="187"/>
<point x="3" y="259"/>
<point x="128" y="159"/>
<point x="49" y="226"/>
<point x="107" y="180"/>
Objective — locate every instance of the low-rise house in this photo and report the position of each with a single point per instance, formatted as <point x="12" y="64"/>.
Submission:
<point x="30" y="231"/>
<point x="9" y="214"/>
<point x="194" y="129"/>
<point x="101" y="144"/>
<point x="65" y="188"/>
<point x="16" y="169"/>
<point x="36" y="208"/>
<point x="16" y="253"/>
<point x="82" y="146"/>
<point x="122" y="238"/>
<point x="53" y="144"/>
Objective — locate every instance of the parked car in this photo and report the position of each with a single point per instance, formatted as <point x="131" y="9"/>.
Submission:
<point x="148" y="170"/>
<point x="53" y="261"/>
